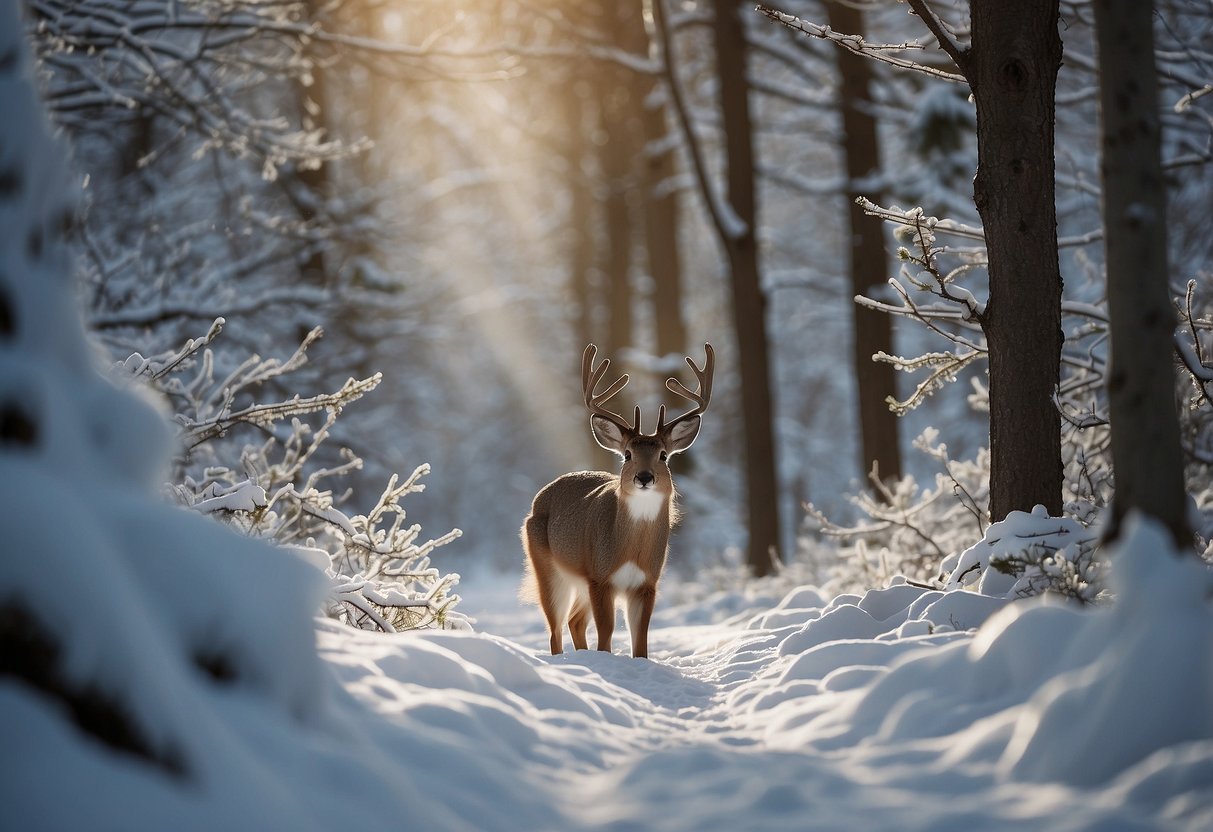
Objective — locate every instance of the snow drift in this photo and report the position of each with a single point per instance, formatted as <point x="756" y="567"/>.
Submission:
<point x="161" y="672"/>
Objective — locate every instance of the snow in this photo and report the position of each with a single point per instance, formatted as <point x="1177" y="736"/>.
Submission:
<point x="838" y="716"/>
<point x="161" y="671"/>
<point x="1018" y="533"/>
<point x="243" y="496"/>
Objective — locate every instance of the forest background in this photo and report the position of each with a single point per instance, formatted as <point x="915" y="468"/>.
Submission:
<point x="460" y="196"/>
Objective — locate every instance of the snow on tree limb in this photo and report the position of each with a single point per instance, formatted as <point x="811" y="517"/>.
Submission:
<point x="857" y="45"/>
<point x="378" y="565"/>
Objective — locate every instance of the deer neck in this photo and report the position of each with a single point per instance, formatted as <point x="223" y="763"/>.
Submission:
<point x="645" y="506"/>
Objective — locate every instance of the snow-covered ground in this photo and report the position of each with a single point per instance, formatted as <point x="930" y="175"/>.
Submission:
<point x="880" y="712"/>
<point x="861" y="713"/>
<point x="158" y="671"/>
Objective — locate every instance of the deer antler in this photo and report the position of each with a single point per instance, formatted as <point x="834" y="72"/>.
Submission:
<point x="590" y="376"/>
<point x="701" y="399"/>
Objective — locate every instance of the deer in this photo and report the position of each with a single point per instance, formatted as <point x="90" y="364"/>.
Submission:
<point x="592" y="536"/>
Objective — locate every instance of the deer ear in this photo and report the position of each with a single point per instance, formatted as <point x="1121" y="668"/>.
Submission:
<point x="608" y="434"/>
<point x="682" y="434"/>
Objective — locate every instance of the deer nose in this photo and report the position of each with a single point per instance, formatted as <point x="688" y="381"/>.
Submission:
<point x="645" y="478"/>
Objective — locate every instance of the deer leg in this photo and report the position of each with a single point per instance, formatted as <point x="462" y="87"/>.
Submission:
<point x="602" y="604"/>
<point x="555" y="598"/>
<point x="555" y="594"/>
<point x="577" y="625"/>
<point x="640" y="610"/>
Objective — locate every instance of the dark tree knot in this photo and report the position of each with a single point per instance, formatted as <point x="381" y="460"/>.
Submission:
<point x="1013" y="75"/>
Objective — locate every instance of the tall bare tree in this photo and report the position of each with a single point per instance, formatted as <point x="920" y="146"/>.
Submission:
<point x="878" y="425"/>
<point x="1011" y="66"/>
<point x="1146" y="452"/>
<point x="661" y="227"/>
<point x="621" y="123"/>
<point x="749" y="302"/>
<point x="661" y="214"/>
<point x="735" y="219"/>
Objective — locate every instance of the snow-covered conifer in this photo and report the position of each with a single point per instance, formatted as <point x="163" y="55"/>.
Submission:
<point x="121" y="617"/>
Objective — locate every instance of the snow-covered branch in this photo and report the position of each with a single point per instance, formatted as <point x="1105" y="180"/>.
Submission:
<point x="379" y="565"/>
<point x="947" y="42"/>
<point x="859" y="46"/>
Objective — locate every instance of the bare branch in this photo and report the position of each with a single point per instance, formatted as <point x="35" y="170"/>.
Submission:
<point x="857" y="45"/>
<point x="694" y="149"/>
<point x="947" y="43"/>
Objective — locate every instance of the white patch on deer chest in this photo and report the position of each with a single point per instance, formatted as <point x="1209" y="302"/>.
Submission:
<point x="646" y="504"/>
<point x="628" y="576"/>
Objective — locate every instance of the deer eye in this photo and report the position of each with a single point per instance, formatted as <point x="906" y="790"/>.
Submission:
<point x="627" y="455"/>
<point x="664" y="456"/>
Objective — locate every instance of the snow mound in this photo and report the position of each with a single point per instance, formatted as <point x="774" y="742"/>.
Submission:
<point x="1046" y="693"/>
<point x="1019" y="537"/>
<point x="158" y="671"/>
<point x="157" y="667"/>
<point x="1143" y="670"/>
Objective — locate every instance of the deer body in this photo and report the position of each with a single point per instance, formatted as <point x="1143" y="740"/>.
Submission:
<point x="593" y="537"/>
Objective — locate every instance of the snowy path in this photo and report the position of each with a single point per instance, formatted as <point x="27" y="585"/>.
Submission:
<point x="850" y="717"/>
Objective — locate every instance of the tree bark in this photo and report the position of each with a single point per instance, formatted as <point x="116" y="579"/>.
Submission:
<point x="1012" y="69"/>
<point x="312" y="267"/>
<point x="749" y="303"/>
<point x="873" y="330"/>
<point x="575" y="144"/>
<point x="661" y="231"/>
<point x="582" y="250"/>
<point x="661" y="242"/>
<point x="621" y="123"/>
<point x="1146" y="453"/>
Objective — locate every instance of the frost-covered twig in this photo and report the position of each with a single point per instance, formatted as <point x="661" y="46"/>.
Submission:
<point x="1197" y="421"/>
<point x="380" y="569"/>
<point x="959" y="311"/>
<point x="859" y="46"/>
<point x="261" y="415"/>
<point x="1188" y="99"/>
<point x="139" y="366"/>
<point x="920" y="230"/>
<point x="947" y="42"/>
<point x="906" y="529"/>
<point x="1191" y="351"/>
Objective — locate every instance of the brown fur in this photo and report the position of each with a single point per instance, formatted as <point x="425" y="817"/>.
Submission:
<point x="580" y="528"/>
<point x="593" y="535"/>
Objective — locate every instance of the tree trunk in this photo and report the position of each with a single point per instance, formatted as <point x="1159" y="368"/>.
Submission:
<point x="308" y="187"/>
<point x="661" y="231"/>
<point x="1146" y="453"/>
<point x="575" y="143"/>
<point x="749" y="303"/>
<point x="661" y="241"/>
<point x="313" y="111"/>
<point x="1012" y="69"/>
<point x="875" y="381"/>
<point x="621" y="123"/>
<point x="581" y="254"/>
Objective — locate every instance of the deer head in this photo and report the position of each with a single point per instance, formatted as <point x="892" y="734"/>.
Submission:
<point x="645" y="455"/>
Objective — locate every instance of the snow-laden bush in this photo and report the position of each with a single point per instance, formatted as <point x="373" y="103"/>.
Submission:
<point x="129" y="628"/>
<point x="379" y="567"/>
<point x="1029" y="554"/>
<point x="922" y="532"/>
<point x="925" y="524"/>
<point x="908" y="529"/>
